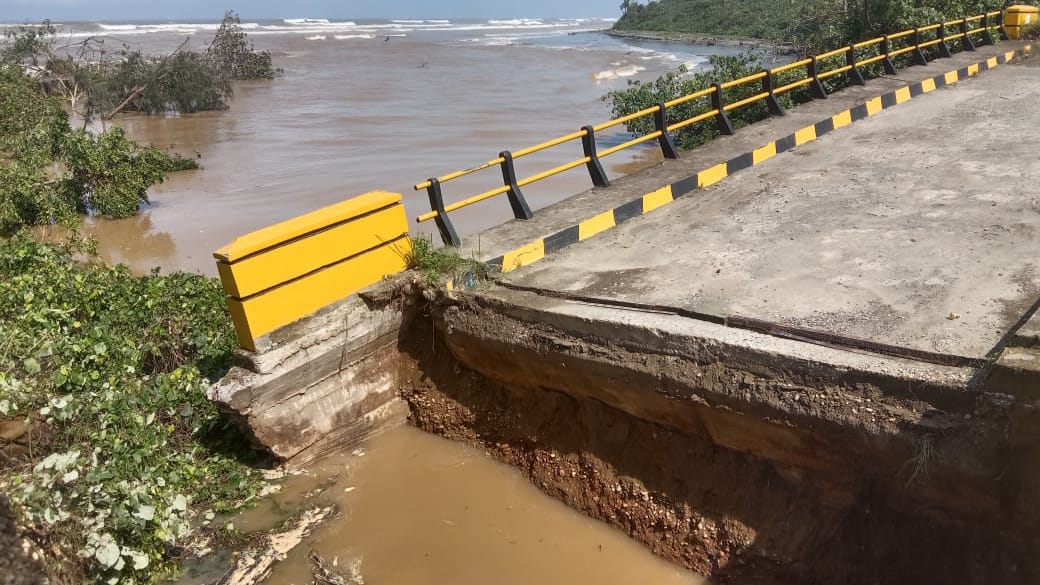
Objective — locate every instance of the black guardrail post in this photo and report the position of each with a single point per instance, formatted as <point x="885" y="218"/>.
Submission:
<point x="944" y="49"/>
<point x="813" y="71"/>
<point x="719" y="104"/>
<point x="448" y="234"/>
<point x="886" y="48"/>
<point x="987" y="39"/>
<point x="966" y="43"/>
<point x="516" y="197"/>
<point x="665" y="139"/>
<point x="767" y="87"/>
<point x="919" y="57"/>
<point x="1001" y="28"/>
<point x="588" y="144"/>
<point x="855" y="76"/>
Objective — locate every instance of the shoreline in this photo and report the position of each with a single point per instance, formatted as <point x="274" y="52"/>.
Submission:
<point x="701" y="39"/>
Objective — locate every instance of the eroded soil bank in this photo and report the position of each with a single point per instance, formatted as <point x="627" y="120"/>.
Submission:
<point x="807" y="485"/>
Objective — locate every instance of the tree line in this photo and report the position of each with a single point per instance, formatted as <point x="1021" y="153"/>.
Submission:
<point x="811" y="25"/>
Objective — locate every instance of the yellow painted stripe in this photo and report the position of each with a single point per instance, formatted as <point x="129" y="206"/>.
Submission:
<point x="662" y="196"/>
<point x="295" y="258"/>
<point x="595" y="225"/>
<point x="279" y="233"/>
<point x="523" y="256"/>
<point x="1011" y="54"/>
<point x="874" y="106"/>
<point x="841" y="120"/>
<point x="973" y="70"/>
<point x="807" y="134"/>
<point x="903" y="95"/>
<point x="928" y="85"/>
<point x="765" y="153"/>
<point x="280" y="306"/>
<point x="710" y="176"/>
<point x="991" y="62"/>
<point x="952" y="77"/>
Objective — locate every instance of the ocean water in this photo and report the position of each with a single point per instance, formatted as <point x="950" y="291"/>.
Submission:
<point x="373" y="105"/>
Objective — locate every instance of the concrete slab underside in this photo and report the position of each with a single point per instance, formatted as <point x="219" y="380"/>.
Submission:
<point x="917" y="228"/>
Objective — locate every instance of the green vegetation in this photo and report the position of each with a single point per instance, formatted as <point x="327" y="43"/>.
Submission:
<point x="112" y="455"/>
<point x="439" y="264"/>
<point x="641" y="95"/>
<point x="109" y="372"/>
<point x="93" y="80"/>
<point x="810" y="25"/>
<point x="50" y="173"/>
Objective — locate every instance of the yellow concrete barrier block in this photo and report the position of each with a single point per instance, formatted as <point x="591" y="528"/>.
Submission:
<point x="903" y="95"/>
<point x="263" y="313"/>
<point x="1018" y="17"/>
<point x="283" y="272"/>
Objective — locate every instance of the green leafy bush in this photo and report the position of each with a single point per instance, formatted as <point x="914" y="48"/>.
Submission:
<point x="49" y="172"/>
<point x="640" y="95"/>
<point x="110" y="370"/>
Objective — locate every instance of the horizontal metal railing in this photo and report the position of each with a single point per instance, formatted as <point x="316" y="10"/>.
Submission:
<point x="809" y="73"/>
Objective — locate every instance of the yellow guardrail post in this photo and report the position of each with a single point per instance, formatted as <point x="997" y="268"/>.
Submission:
<point x="447" y="231"/>
<point x="767" y="87"/>
<point x="886" y="50"/>
<point x="718" y="103"/>
<point x="281" y="273"/>
<point x="855" y="76"/>
<point x="588" y="146"/>
<point x="918" y="54"/>
<point x="665" y="139"/>
<point x="516" y="197"/>
<point x="944" y="49"/>
<point x="812" y="69"/>
<point x="966" y="43"/>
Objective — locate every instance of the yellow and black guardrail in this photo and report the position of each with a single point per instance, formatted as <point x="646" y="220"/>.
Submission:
<point x="537" y="249"/>
<point x="766" y="86"/>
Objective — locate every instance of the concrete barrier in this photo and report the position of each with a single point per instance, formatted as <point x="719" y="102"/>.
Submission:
<point x="278" y="274"/>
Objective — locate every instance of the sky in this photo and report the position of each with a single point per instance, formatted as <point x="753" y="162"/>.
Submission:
<point x="34" y="10"/>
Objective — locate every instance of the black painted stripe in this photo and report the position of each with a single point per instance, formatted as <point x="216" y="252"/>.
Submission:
<point x="859" y="112"/>
<point x="744" y="161"/>
<point x="984" y="66"/>
<point x="784" y="144"/>
<point x="629" y="210"/>
<point x="888" y="100"/>
<point x="916" y="89"/>
<point x="496" y="262"/>
<point x="561" y="239"/>
<point x="940" y="81"/>
<point x="962" y="73"/>
<point x="687" y="185"/>
<point x="824" y="126"/>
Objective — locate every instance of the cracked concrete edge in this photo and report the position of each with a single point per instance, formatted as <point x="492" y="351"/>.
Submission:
<point x="539" y="248"/>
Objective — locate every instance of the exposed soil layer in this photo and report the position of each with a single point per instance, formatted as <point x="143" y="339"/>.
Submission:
<point x="883" y="510"/>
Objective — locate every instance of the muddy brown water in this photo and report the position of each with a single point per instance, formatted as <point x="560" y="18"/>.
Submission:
<point x="356" y="111"/>
<point x="419" y="509"/>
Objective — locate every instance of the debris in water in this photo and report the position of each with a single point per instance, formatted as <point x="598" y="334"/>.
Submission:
<point x="326" y="575"/>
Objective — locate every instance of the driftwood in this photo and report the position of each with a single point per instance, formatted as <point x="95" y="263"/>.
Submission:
<point x="326" y="575"/>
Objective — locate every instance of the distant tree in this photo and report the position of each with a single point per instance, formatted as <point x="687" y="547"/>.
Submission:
<point x="233" y="54"/>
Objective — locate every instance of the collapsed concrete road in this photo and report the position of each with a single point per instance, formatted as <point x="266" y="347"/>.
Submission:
<point x="824" y="368"/>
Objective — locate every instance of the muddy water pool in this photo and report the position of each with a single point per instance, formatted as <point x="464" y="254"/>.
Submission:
<point x="419" y="509"/>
